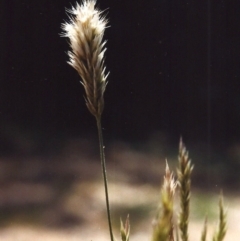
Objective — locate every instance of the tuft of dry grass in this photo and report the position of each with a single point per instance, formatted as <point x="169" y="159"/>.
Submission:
<point x="164" y="228"/>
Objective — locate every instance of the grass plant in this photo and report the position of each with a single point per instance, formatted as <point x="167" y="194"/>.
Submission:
<point x="164" y="228"/>
<point x="85" y="30"/>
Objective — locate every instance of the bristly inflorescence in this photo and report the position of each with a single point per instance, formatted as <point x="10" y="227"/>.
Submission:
<point x="184" y="182"/>
<point x="163" y="224"/>
<point x="85" y="30"/>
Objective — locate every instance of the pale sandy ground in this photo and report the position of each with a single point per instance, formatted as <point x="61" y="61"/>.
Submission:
<point x="133" y="188"/>
<point x="94" y="227"/>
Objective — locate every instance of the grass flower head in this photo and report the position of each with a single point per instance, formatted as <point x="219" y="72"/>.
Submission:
<point x="85" y="30"/>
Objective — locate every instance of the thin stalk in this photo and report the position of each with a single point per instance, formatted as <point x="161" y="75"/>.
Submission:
<point x="104" y="172"/>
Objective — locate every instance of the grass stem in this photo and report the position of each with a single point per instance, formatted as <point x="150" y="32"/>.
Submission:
<point x="104" y="172"/>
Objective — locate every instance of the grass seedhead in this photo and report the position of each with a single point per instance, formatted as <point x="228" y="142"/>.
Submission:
<point x="163" y="224"/>
<point x="125" y="229"/>
<point x="222" y="222"/>
<point x="85" y="30"/>
<point x="184" y="182"/>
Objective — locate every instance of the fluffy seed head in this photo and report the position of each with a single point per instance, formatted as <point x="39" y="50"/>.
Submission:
<point x="85" y="30"/>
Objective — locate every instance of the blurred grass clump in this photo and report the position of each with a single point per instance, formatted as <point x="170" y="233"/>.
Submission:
<point x="169" y="228"/>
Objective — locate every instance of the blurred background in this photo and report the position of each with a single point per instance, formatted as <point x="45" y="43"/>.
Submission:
<point x="174" y="71"/>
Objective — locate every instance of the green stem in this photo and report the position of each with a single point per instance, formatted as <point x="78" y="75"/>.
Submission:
<point x="104" y="172"/>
